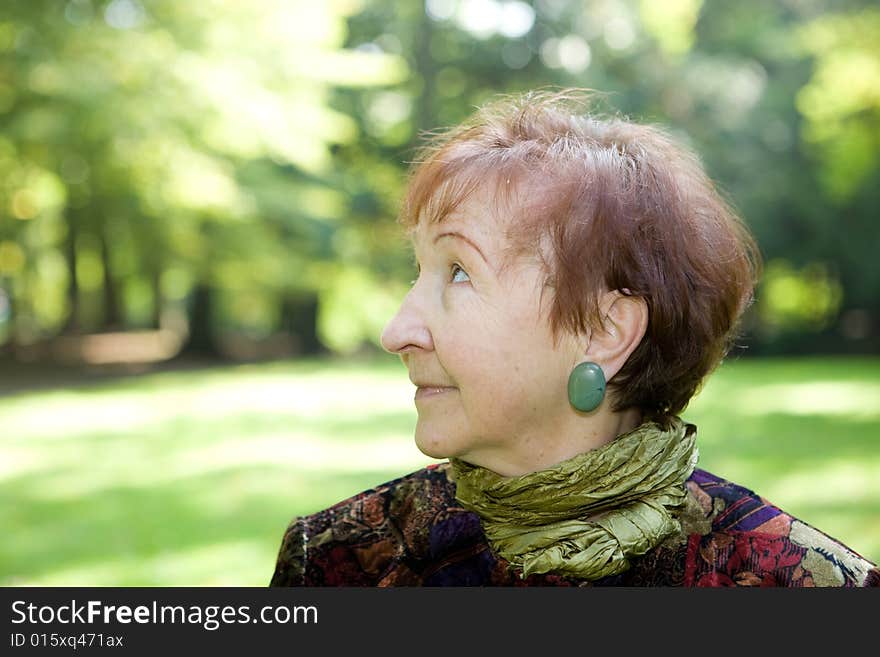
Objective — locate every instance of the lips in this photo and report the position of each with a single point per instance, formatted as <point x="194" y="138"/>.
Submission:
<point x="426" y="384"/>
<point x="429" y="390"/>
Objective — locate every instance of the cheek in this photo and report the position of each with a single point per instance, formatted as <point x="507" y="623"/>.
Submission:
<point x="472" y="341"/>
<point x="500" y="354"/>
<point x="507" y="372"/>
<point x="534" y="372"/>
<point x="495" y="348"/>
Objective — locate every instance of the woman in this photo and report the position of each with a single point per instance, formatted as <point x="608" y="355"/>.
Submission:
<point x="578" y="280"/>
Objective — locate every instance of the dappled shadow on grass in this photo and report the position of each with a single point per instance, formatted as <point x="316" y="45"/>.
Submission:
<point x="50" y="534"/>
<point x="773" y="440"/>
<point x="91" y="502"/>
<point x="744" y="372"/>
<point x="180" y="430"/>
<point x="115" y="484"/>
<point x="190" y="477"/>
<point x="21" y="378"/>
<point x="824" y="470"/>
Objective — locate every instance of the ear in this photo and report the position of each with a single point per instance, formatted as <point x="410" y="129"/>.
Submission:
<point x="625" y="321"/>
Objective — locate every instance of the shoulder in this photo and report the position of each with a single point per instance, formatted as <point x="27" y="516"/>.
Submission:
<point x="736" y="537"/>
<point x="386" y="529"/>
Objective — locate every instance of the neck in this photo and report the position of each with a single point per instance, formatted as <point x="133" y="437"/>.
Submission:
<point x="592" y="514"/>
<point x="578" y="435"/>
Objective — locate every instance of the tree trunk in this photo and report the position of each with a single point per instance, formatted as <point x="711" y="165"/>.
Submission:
<point x="113" y="319"/>
<point x="299" y="318"/>
<point x="8" y="315"/>
<point x="72" y="324"/>
<point x="156" y="285"/>
<point x="200" y="341"/>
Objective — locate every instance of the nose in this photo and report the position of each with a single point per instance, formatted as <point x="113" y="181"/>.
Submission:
<point x="407" y="330"/>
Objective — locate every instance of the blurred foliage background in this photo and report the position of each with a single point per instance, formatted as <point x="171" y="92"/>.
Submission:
<point x="228" y="173"/>
<point x="218" y="181"/>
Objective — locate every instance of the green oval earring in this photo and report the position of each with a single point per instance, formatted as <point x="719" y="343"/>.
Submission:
<point x="586" y="387"/>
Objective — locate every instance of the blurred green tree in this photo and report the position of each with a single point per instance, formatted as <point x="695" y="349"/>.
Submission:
<point x="154" y="154"/>
<point x="236" y="168"/>
<point x="779" y="100"/>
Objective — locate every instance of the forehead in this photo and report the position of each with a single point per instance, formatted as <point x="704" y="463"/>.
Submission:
<point x="480" y="216"/>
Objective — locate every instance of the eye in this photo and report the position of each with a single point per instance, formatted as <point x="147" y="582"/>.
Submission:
<point x="459" y="275"/>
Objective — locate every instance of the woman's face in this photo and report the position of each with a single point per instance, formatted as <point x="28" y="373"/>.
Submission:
<point x="491" y="385"/>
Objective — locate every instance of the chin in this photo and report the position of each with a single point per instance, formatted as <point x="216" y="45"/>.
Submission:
<point x="436" y="447"/>
<point x="432" y="449"/>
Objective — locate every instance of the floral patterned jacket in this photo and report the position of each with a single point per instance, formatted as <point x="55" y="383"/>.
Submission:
<point x="412" y="532"/>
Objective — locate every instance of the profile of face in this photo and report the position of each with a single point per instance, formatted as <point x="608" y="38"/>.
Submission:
<point x="476" y="339"/>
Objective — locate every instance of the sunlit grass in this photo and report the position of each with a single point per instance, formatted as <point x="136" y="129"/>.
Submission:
<point x="190" y="477"/>
<point x="803" y="433"/>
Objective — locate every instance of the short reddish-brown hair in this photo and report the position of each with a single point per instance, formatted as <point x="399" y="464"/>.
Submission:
<point x="621" y="206"/>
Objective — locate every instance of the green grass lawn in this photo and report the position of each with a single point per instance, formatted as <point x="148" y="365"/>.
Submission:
<point x="190" y="477"/>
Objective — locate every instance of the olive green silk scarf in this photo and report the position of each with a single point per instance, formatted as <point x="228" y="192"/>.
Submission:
<point x="586" y="517"/>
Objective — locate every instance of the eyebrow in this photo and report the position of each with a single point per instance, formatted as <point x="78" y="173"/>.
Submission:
<point x="465" y="239"/>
